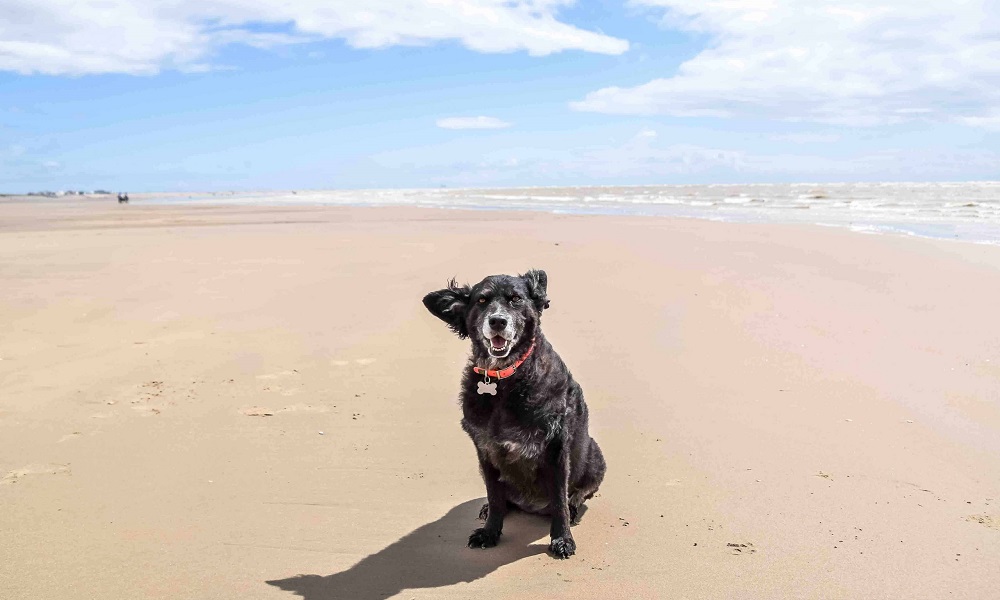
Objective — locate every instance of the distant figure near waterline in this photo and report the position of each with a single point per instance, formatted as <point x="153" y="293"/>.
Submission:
<point x="122" y="198"/>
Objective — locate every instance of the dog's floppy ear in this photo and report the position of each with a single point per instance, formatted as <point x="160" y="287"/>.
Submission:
<point x="538" y="283"/>
<point x="450" y="305"/>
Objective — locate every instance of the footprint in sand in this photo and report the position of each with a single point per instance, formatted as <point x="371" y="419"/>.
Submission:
<point x="147" y="398"/>
<point x="257" y="411"/>
<point x="36" y="469"/>
<point x="149" y="392"/>
<point x="69" y="436"/>
<point x="987" y="520"/>
<point x="291" y="391"/>
<point x="739" y="548"/>
<point x="309" y="408"/>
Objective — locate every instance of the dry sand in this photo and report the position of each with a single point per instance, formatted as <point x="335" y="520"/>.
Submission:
<point x="240" y="402"/>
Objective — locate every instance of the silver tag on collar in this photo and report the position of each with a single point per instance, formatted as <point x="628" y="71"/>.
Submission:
<point x="487" y="388"/>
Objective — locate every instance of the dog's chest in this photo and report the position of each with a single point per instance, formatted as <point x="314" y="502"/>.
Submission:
<point x="507" y="438"/>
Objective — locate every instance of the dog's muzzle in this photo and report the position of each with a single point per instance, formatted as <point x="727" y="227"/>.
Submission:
<point x="498" y="334"/>
<point x="498" y="346"/>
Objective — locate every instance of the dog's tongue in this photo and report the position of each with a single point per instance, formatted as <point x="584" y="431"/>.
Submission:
<point x="498" y="342"/>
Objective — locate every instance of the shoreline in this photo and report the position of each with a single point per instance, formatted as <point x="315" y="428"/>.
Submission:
<point x="987" y="234"/>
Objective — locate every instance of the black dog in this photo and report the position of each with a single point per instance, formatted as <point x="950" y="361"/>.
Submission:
<point x="521" y="407"/>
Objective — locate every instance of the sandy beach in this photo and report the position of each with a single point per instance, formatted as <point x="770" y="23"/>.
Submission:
<point x="251" y="402"/>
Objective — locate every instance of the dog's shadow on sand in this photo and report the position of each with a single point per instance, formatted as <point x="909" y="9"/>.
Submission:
<point x="433" y="555"/>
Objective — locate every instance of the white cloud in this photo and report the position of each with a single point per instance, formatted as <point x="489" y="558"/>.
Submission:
<point x="988" y="120"/>
<point x="853" y="62"/>
<point x="806" y="138"/>
<point x="643" y="162"/>
<point x="634" y="158"/>
<point x="75" y="37"/>
<point x="472" y="123"/>
<point x="676" y="156"/>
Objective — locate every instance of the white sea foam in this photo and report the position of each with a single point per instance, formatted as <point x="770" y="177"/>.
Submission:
<point x="964" y="211"/>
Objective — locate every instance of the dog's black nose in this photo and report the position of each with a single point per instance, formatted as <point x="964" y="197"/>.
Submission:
<point x="498" y="323"/>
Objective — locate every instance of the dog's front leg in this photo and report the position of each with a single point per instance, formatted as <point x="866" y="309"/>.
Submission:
<point x="488" y="535"/>
<point x="562" y="545"/>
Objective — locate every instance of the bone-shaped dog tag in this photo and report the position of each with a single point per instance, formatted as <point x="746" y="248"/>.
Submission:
<point x="487" y="388"/>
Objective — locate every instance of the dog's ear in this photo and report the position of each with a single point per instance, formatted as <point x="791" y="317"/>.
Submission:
<point x="450" y="305"/>
<point x="538" y="283"/>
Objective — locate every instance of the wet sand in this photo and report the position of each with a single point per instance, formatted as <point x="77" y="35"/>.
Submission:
<point x="251" y="402"/>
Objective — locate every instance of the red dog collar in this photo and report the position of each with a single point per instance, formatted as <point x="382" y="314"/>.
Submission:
<point x="505" y="373"/>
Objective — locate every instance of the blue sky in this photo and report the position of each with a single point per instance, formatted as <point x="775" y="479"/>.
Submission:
<point x="227" y="94"/>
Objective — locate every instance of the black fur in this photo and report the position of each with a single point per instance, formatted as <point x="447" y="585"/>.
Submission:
<point x="534" y="449"/>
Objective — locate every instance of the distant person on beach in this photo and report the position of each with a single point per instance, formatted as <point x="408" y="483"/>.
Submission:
<point x="122" y="198"/>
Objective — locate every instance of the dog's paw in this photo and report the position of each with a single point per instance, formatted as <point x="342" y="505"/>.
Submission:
<point x="483" y="538"/>
<point x="562" y="547"/>
<point x="484" y="512"/>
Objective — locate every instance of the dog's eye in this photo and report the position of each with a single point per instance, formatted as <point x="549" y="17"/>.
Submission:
<point x="482" y="300"/>
<point x="515" y="299"/>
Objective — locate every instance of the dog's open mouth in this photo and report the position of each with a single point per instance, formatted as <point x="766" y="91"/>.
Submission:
<point x="499" y="346"/>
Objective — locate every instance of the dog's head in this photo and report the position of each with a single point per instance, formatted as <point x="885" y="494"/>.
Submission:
<point x="500" y="313"/>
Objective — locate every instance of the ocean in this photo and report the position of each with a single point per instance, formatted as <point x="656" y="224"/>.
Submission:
<point x="967" y="212"/>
